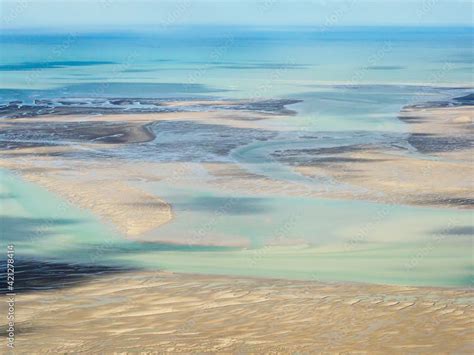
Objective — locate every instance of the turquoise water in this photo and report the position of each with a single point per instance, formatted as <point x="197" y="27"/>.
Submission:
<point x="353" y="82"/>
<point x="235" y="62"/>
<point x="370" y="243"/>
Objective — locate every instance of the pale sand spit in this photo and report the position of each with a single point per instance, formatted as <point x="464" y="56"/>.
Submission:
<point x="103" y="188"/>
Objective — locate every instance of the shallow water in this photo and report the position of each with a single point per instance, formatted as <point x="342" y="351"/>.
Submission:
<point x="375" y="243"/>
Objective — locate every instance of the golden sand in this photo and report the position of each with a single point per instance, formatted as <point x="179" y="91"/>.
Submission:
<point x="162" y="312"/>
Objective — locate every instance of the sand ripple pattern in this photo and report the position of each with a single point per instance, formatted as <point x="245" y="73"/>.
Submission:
<point x="162" y="312"/>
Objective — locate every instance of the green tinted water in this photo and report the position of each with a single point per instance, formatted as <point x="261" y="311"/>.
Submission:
<point x="345" y="241"/>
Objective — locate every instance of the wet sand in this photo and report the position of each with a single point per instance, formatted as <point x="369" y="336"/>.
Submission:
<point x="165" y="312"/>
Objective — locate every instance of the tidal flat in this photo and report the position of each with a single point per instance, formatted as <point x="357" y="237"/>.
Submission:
<point x="305" y="215"/>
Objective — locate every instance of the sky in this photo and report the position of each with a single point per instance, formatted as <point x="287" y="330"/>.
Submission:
<point x="123" y="14"/>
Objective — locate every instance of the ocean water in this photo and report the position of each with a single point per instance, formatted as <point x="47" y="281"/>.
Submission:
<point x="234" y="62"/>
<point x="353" y="82"/>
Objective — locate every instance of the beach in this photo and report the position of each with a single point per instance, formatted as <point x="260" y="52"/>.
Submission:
<point x="146" y="311"/>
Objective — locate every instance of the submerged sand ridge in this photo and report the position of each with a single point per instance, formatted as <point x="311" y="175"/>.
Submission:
<point x="115" y="201"/>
